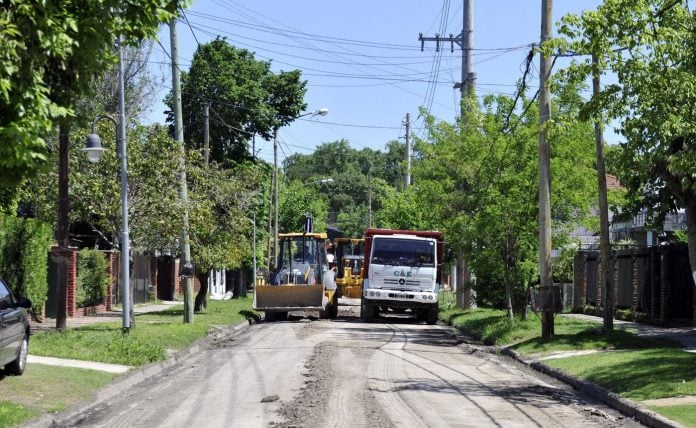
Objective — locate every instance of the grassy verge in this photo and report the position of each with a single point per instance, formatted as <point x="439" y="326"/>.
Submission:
<point x="45" y="389"/>
<point x="636" y="368"/>
<point x="685" y="414"/>
<point x="154" y="334"/>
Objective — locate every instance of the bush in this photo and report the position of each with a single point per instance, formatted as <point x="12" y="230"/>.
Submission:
<point x="24" y="245"/>
<point x="92" y="278"/>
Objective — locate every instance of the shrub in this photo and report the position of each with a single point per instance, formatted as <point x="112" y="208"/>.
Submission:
<point x="24" y="245"/>
<point x="92" y="278"/>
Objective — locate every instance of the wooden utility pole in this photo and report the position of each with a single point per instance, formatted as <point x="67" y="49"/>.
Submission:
<point x="183" y="187"/>
<point x="206" y="133"/>
<point x="546" y="275"/>
<point x="603" y="208"/>
<point x="275" y="196"/>
<point x="408" y="150"/>
<point x="465" y="40"/>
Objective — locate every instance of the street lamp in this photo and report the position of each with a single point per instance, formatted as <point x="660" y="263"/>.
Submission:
<point x="319" y="112"/>
<point x="94" y="149"/>
<point x="322" y="181"/>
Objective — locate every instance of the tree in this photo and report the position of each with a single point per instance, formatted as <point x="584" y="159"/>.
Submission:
<point x="222" y="200"/>
<point x="649" y="47"/>
<point x="296" y="201"/>
<point x="477" y="181"/>
<point x="246" y="98"/>
<point x="49" y="52"/>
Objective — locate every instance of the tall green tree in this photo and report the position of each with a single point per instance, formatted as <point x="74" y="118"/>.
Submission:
<point x="49" y="52"/>
<point x="245" y="98"/>
<point x="649" y="49"/>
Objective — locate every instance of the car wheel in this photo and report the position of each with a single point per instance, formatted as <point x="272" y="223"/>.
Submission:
<point x="17" y="366"/>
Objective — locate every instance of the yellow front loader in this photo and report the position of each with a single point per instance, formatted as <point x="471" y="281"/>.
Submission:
<point x="301" y="281"/>
<point x="350" y="255"/>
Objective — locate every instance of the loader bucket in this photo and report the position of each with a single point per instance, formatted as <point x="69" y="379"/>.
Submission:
<point x="290" y="297"/>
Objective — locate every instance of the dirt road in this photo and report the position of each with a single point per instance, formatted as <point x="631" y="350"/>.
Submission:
<point x="343" y="373"/>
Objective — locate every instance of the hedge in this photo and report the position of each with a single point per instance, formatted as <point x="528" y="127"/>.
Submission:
<point x="24" y="246"/>
<point x="92" y="278"/>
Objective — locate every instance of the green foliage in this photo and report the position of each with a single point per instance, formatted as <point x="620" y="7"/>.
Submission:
<point x="154" y="210"/>
<point x="24" y="245"/>
<point x="249" y="99"/>
<point x="221" y="201"/>
<point x="92" y="278"/>
<point x="297" y="200"/>
<point x="648" y="47"/>
<point x="49" y="52"/>
<point x="477" y="181"/>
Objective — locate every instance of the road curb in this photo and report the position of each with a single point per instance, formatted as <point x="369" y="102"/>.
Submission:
<point x="75" y="414"/>
<point x="627" y="407"/>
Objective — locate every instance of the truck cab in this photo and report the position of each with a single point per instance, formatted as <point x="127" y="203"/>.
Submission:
<point x="403" y="269"/>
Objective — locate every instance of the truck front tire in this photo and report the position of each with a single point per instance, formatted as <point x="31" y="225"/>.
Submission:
<point x="367" y="311"/>
<point x="431" y="318"/>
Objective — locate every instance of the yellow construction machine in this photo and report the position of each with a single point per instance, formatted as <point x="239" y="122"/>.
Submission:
<point x="301" y="281"/>
<point x="350" y="254"/>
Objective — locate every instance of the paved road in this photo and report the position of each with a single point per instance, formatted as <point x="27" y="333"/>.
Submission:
<point x="343" y="373"/>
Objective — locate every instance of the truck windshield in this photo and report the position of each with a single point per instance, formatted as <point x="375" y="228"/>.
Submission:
<point x="403" y="252"/>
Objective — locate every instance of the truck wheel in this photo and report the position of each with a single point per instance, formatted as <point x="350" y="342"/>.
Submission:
<point x="432" y="315"/>
<point x="17" y="366"/>
<point x="367" y="311"/>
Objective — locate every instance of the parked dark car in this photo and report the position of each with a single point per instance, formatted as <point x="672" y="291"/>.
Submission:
<point x="14" y="331"/>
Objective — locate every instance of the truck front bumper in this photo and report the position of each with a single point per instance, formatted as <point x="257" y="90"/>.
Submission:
<point x="400" y="298"/>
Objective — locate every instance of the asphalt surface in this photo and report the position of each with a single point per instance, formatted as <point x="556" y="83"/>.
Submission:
<point x="285" y="383"/>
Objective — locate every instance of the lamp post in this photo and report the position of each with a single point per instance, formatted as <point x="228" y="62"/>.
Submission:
<point x="94" y="149"/>
<point x="319" y="112"/>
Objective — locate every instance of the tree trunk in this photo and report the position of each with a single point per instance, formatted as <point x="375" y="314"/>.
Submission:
<point x="62" y="234"/>
<point x="508" y="294"/>
<point x="691" y="233"/>
<point x="463" y="284"/>
<point x="201" y="303"/>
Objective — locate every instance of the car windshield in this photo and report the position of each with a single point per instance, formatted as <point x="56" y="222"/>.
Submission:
<point x="403" y="252"/>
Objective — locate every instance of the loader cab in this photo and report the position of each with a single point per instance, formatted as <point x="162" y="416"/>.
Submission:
<point x="301" y="259"/>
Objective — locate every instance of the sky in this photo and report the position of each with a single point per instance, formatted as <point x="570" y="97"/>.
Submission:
<point x="362" y="60"/>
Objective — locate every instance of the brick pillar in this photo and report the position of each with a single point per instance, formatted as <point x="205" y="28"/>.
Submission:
<point x="110" y="273"/>
<point x="580" y="279"/>
<point x="70" y="295"/>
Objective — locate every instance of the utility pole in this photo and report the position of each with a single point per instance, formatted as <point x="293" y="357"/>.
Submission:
<point x="275" y="196"/>
<point x="546" y="276"/>
<point x="183" y="187"/>
<point x="605" y="249"/>
<point x="465" y="40"/>
<point x="369" y="199"/>
<point x="408" y="150"/>
<point x="206" y="133"/>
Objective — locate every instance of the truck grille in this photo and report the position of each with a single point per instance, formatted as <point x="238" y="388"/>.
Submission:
<point x="395" y="282"/>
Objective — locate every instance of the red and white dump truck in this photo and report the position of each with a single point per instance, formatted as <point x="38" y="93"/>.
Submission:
<point x="402" y="269"/>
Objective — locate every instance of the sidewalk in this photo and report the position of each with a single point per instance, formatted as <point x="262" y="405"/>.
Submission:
<point x="685" y="335"/>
